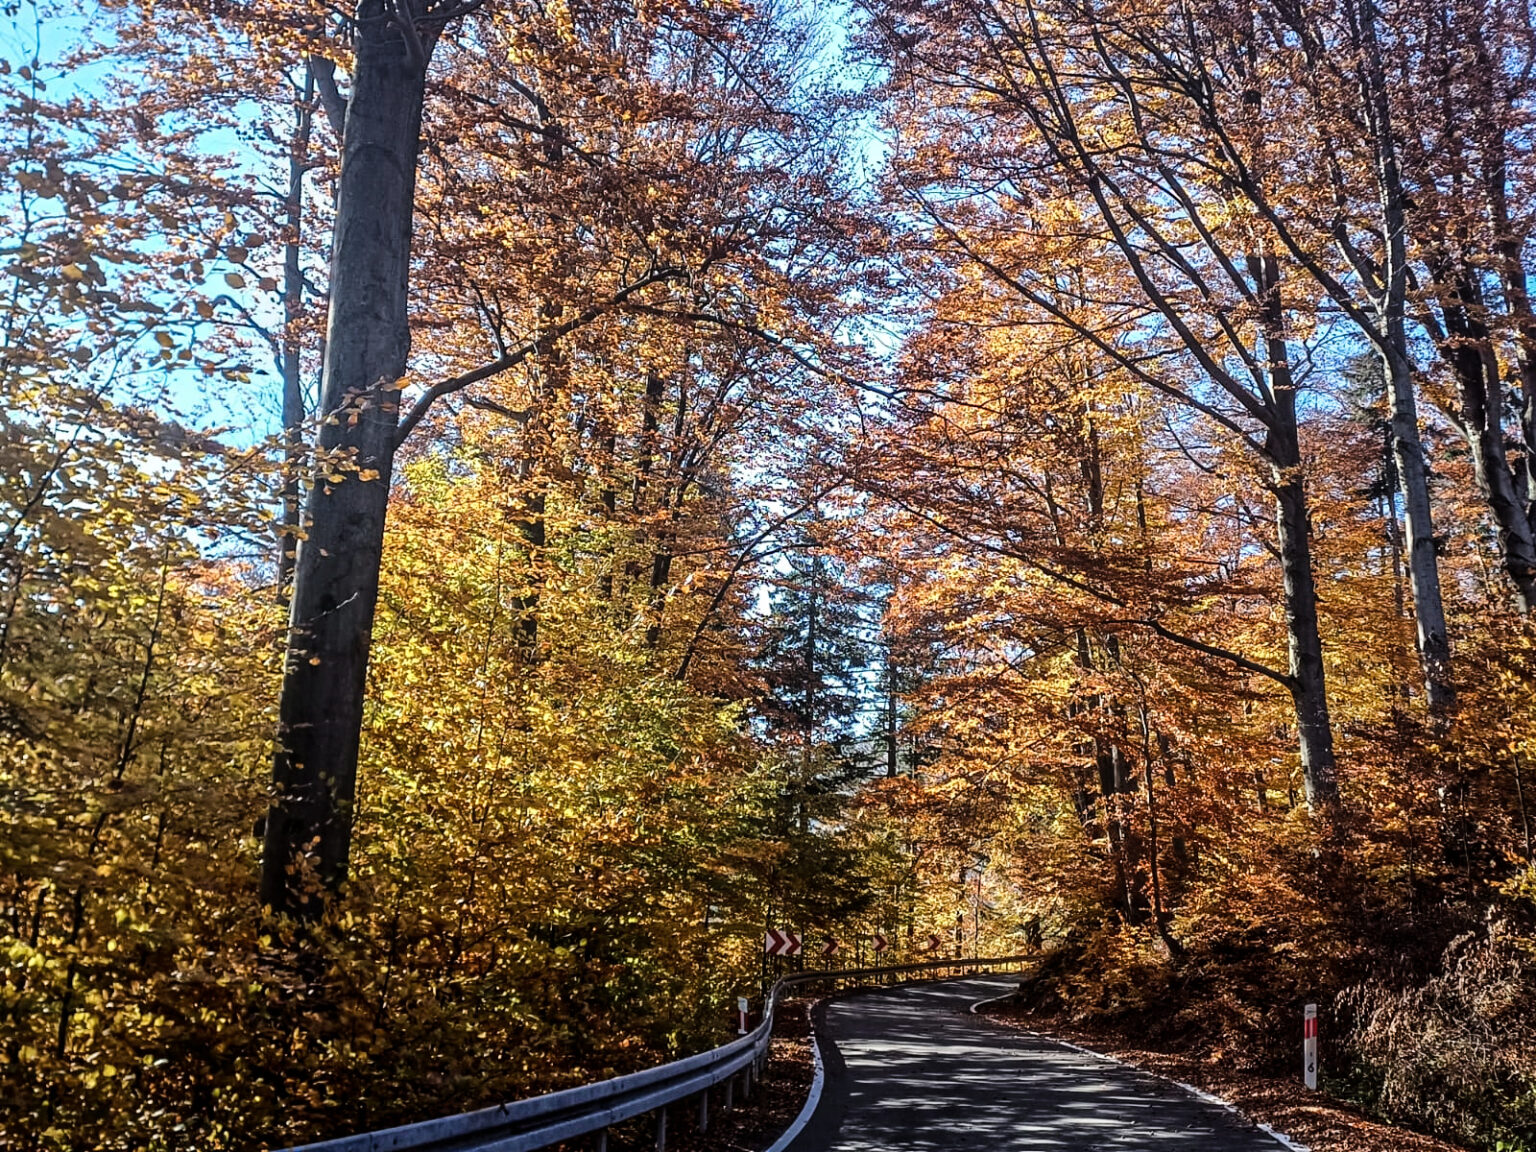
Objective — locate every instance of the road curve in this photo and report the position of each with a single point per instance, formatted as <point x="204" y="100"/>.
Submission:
<point x="910" y="1070"/>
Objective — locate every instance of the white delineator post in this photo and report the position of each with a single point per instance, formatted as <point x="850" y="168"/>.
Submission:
<point x="1309" y="1045"/>
<point x="741" y="1011"/>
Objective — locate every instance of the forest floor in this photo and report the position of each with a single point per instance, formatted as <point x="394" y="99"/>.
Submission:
<point x="750" y="1127"/>
<point x="1311" y="1119"/>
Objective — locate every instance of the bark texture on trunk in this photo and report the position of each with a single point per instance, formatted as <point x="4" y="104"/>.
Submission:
<point x="1282" y="445"/>
<point x="1520" y="555"/>
<point x="1468" y="349"/>
<point x="1419" y="531"/>
<point x="1392" y="340"/>
<point x="336" y="578"/>
<point x="1308" y="686"/>
<point x="1493" y="118"/>
<point x="292" y="346"/>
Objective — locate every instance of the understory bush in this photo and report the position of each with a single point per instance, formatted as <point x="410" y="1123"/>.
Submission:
<point x="1456" y="1054"/>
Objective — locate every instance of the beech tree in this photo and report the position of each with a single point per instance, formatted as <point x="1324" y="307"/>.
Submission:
<point x="1183" y="295"/>
<point x="607" y="208"/>
<point x="1211" y="82"/>
<point x="336" y="573"/>
<point x="1457" y="82"/>
<point x="671" y="476"/>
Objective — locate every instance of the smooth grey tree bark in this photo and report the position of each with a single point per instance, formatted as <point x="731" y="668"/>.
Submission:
<point x="291" y="345"/>
<point x="1307" y="684"/>
<point x="1377" y="304"/>
<point x="336" y="575"/>
<point x="1467" y="347"/>
<point x="1282" y="447"/>
<point x="1478" y="329"/>
<point x="1391" y="339"/>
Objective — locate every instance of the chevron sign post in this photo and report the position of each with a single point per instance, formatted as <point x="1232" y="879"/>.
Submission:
<point x="829" y="948"/>
<point x="932" y="943"/>
<point x="881" y="944"/>
<point x="777" y="943"/>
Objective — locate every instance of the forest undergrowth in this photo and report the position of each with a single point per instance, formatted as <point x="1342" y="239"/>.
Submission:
<point x="1425" y="999"/>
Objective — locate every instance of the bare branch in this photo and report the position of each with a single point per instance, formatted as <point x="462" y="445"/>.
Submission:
<point x="331" y="99"/>
<point x="511" y="359"/>
<point x="1212" y="650"/>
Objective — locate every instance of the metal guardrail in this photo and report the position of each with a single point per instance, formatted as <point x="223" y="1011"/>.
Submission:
<point x="541" y="1121"/>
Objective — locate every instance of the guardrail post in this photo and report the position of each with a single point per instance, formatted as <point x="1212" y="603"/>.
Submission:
<point x="602" y="1141"/>
<point x="661" y="1130"/>
<point x="730" y="1092"/>
<point x="704" y="1110"/>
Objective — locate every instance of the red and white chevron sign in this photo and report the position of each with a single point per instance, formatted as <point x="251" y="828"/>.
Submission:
<point x="777" y="943"/>
<point x="932" y="943"/>
<point x="881" y="944"/>
<point x="829" y="947"/>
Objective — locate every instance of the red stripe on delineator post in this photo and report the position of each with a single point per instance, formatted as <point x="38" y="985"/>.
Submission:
<point x="1309" y="1045"/>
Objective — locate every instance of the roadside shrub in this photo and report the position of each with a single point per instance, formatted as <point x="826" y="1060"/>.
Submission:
<point x="1456" y="1054"/>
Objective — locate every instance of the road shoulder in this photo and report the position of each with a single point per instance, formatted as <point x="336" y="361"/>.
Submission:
<point x="821" y="1127"/>
<point x="1307" y="1119"/>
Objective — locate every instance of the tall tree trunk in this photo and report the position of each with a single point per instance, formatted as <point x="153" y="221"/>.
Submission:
<point x="292" y="347"/>
<point x="1160" y="915"/>
<point x="551" y="389"/>
<point x="1307" y="683"/>
<point x="661" y="575"/>
<point x="650" y="416"/>
<point x="1472" y="106"/>
<point x="1423" y="565"/>
<point x="532" y="526"/>
<point x="608" y="498"/>
<point x="336" y="578"/>
<point x="1308" y="686"/>
<point x="1468" y="349"/>
<point x="669" y="511"/>
<point x="1492" y="117"/>
<point x="891" y="730"/>
<point x="812" y="663"/>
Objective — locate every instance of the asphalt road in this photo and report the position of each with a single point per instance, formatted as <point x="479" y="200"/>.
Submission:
<point x="910" y="1070"/>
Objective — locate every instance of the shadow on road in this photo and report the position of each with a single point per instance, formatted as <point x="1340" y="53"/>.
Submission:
<point x="914" y="1072"/>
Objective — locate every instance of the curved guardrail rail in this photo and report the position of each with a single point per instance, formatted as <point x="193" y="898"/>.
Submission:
<point x="538" y="1122"/>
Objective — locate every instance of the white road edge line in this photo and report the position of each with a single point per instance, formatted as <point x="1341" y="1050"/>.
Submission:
<point x="990" y="1000"/>
<point x="1285" y="1141"/>
<point x="813" y="1098"/>
<point x="1200" y="1094"/>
